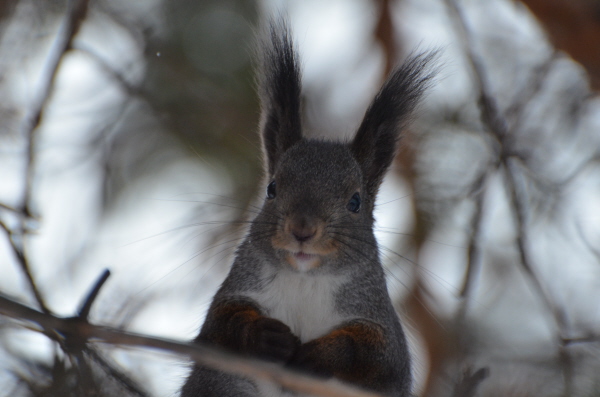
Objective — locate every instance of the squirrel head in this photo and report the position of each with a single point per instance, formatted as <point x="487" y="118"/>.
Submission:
<point x="320" y="195"/>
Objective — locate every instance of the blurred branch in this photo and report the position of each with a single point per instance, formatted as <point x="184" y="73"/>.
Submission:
<point x="9" y="208"/>
<point x="79" y="329"/>
<point x="519" y="205"/>
<point x="474" y="250"/>
<point x="584" y="339"/>
<point x="131" y="89"/>
<point x="115" y="373"/>
<point x="490" y="115"/>
<point x="24" y="265"/>
<point x="77" y="11"/>
<point x="517" y="108"/>
<point x="467" y="387"/>
<point x="89" y="301"/>
<point x="496" y="125"/>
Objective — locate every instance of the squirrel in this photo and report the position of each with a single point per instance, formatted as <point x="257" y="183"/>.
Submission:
<point x="307" y="288"/>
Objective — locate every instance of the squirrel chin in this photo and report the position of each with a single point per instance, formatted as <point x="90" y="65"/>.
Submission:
<point x="302" y="261"/>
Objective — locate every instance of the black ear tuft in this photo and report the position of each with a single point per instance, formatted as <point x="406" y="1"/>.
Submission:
<point x="279" y="87"/>
<point x="376" y="141"/>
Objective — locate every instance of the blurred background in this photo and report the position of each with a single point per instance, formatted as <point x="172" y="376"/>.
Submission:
<point x="129" y="141"/>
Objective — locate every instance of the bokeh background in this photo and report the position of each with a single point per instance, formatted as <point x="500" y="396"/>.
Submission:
<point x="128" y="141"/>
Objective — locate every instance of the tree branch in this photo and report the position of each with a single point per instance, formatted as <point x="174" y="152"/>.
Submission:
<point x="77" y="12"/>
<point x="205" y="355"/>
<point x="497" y="126"/>
<point x="470" y="381"/>
<point x="24" y="265"/>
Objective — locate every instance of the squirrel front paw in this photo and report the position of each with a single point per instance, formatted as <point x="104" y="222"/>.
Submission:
<point x="309" y="358"/>
<point x="272" y="340"/>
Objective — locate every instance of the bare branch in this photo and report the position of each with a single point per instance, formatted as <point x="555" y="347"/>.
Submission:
<point x="518" y="107"/>
<point x="497" y="126"/>
<point x="490" y="114"/>
<point x="24" y="265"/>
<point x="123" y="380"/>
<point x="519" y="206"/>
<point x="470" y="381"/>
<point x="76" y="15"/>
<point x="205" y="355"/>
<point x="475" y="255"/>
<point x="9" y="208"/>
<point x="495" y="123"/>
<point x="584" y="339"/>
<point x="89" y="301"/>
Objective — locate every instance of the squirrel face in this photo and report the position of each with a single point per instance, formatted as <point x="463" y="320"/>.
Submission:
<point x="314" y="203"/>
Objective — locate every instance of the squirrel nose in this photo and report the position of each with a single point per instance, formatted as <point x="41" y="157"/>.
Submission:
<point x="303" y="235"/>
<point x="302" y="228"/>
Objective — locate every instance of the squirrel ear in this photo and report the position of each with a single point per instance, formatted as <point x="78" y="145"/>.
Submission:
<point x="376" y="141"/>
<point x="279" y="88"/>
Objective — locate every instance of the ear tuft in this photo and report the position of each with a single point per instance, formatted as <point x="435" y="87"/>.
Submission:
<point x="376" y="141"/>
<point x="280" y="89"/>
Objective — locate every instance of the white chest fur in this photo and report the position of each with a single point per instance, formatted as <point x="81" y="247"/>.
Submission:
<point x="303" y="301"/>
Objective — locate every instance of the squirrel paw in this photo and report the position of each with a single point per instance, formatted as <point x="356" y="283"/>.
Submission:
<point x="307" y="359"/>
<point x="274" y="340"/>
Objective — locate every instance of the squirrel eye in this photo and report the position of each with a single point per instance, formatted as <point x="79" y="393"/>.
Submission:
<point x="271" y="192"/>
<point x="354" y="203"/>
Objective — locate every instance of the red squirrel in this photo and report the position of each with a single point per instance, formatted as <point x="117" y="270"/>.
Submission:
<point x="307" y="288"/>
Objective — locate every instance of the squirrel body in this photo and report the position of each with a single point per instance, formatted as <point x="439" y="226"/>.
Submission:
<point x="306" y="288"/>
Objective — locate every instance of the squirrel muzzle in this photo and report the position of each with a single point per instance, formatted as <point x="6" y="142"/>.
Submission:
<point x="304" y="240"/>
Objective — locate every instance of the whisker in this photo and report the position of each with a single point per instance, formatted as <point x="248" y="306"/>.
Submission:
<point x="233" y="244"/>
<point x="381" y="229"/>
<point x="204" y="223"/>
<point x="419" y="300"/>
<point x="251" y="208"/>
<point x="439" y="279"/>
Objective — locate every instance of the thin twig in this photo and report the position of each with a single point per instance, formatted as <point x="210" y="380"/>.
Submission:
<point x="517" y="192"/>
<point x="470" y="381"/>
<point x="497" y="126"/>
<point x="77" y="12"/>
<point x="490" y="114"/>
<point x="25" y="268"/>
<point x="205" y="355"/>
<point x="89" y="301"/>
<point x="9" y="208"/>
<point x="558" y="313"/>
<point x="524" y="97"/>
<point x="474" y="253"/>
<point x="584" y="339"/>
<point x="123" y="380"/>
<point x="131" y="89"/>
